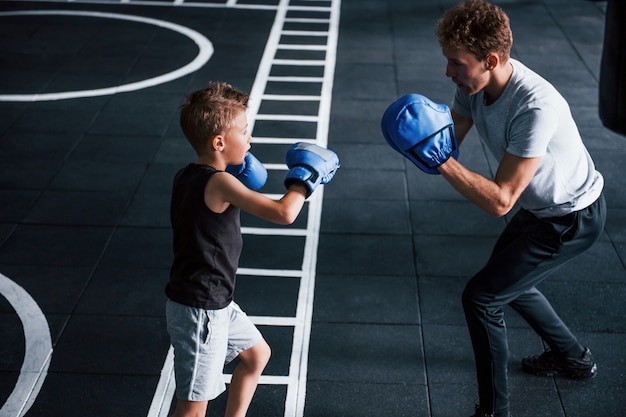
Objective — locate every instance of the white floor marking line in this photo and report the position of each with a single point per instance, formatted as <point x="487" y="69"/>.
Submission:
<point x="303" y="47"/>
<point x="272" y="232"/>
<point x="296" y="79"/>
<point x="205" y="51"/>
<point x="310" y="8"/>
<point x="305" y="33"/>
<point x="299" y="322"/>
<point x="178" y="3"/>
<point x="306" y="20"/>
<point x="287" y="117"/>
<point x="164" y="392"/>
<point x="264" y="380"/>
<point x="315" y="214"/>
<point x="38" y="349"/>
<point x="273" y="321"/>
<point x="270" y="272"/>
<point x="275" y="167"/>
<point x="275" y="97"/>
<point x="296" y="392"/>
<point x="279" y="141"/>
<point x="310" y="63"/>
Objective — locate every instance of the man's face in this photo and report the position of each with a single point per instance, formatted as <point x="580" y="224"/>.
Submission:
<point x="465" y="70"/>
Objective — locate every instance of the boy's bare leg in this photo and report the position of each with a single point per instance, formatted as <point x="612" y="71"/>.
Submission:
<point x="245" y="378"/>
<point x="190" y="408"/>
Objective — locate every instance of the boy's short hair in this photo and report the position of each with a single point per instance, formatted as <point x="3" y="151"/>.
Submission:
<point x="210" y="112"/>
<point x="477" y="25"/>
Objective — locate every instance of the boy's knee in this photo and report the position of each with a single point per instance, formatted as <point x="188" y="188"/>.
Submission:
<point x="190" y="408"/>
<point x="265" y="353"/>
<point x="257" y="357"/>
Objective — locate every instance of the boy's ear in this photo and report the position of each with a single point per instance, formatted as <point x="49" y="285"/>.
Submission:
<point x="217" y="142"/>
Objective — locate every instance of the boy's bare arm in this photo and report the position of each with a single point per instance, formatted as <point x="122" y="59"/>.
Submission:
<point x="224" y="189"/>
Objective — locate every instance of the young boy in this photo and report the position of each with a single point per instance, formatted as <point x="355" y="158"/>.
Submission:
<point x="207" y="328"/>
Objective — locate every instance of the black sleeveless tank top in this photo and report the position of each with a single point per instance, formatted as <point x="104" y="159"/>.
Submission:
<point x="207" y="245"/>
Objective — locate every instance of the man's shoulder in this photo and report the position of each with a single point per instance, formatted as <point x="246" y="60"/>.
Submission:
<point x="529" y="81"/>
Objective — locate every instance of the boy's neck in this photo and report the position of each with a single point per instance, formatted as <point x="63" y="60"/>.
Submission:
<point x="207" y="160"/>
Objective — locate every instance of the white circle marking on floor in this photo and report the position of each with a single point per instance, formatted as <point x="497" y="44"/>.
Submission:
<point x="205" y="51"/>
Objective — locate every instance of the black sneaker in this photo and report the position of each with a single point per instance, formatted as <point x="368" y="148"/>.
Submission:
<point x="551" y="363"/>
<point x="479" y="413"/>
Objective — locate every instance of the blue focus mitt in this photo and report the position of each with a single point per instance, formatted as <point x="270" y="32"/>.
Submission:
<point x="420" y="130"/>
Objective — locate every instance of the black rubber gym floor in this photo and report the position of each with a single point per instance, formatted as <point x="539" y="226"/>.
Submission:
<point x="85" y="244"/>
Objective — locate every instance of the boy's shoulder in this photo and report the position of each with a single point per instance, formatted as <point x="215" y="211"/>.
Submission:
<point x="194" y="169"/>
<point x="194" y="175"/>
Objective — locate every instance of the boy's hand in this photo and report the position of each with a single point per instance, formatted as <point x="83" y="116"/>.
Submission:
<point x="310" y="164"/>
<point x="251" y="173"/>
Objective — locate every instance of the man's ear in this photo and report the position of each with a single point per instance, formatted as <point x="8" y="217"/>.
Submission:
<point x="491" y="61"/>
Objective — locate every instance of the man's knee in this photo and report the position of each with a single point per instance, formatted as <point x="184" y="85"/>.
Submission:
<point x="471" y="296"/>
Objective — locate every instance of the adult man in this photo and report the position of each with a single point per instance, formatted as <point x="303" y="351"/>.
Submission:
<point x="544" y="168"/>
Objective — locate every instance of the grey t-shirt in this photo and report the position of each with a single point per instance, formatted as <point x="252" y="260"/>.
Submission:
<point x="531" y="119"/>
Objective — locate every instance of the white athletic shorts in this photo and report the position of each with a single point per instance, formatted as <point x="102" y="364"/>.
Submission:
<point x="203" y="341"/>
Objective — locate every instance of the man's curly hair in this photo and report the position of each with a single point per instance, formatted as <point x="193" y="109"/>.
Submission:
<point x="477" y="25"/>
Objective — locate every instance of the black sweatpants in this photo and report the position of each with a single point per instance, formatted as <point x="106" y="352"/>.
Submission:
<point x="528" y="250"/>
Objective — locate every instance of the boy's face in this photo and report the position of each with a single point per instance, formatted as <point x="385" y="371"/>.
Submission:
<point x="465" y="70"/>
<point x="237" y="139"/>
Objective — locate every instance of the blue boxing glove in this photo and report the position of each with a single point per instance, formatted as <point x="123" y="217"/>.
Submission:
<point x="251" y="173"/>
<point x="421" y="130"/>
<point x="310" y="164"/>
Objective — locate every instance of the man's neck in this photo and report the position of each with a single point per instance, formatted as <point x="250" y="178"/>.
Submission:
<point x="499" y="79"/>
